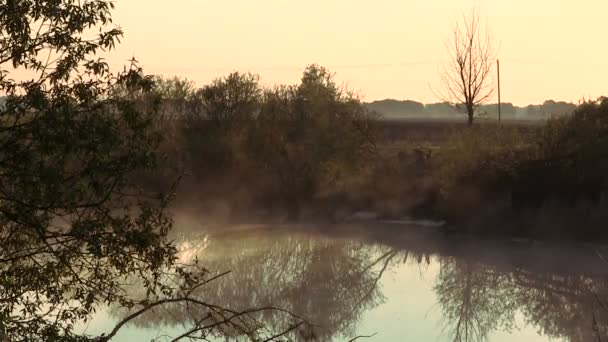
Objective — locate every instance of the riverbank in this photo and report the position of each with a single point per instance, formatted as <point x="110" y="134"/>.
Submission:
<point x="294" y="155"/>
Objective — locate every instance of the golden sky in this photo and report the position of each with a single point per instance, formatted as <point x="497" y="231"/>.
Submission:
<point x="549" y="49"/>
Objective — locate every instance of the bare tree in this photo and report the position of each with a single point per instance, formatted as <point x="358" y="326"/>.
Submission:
<point x="466" y="77"/>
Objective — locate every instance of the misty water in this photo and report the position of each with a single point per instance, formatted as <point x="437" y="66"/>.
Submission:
<point x="395" y="281"/>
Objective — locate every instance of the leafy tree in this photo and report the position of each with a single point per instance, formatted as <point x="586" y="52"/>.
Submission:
<point x="232" y="99"/>
<point x="220" y="113"/>
<point x="569" y="160"/>
<point x="72" y="223"/>
<point x="308" y="135"/>
<point x="176" y="96"/>
<point x="175" y="101"/>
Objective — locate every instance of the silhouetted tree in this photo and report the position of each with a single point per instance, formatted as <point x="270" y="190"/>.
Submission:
<point x="216" y="123"/>
<point x="308" y="134"/>
<point x="466" y="78"/>
<point x="73" y="136"/>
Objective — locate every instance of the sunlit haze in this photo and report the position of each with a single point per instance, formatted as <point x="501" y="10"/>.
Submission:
<point x="381" y="49"/>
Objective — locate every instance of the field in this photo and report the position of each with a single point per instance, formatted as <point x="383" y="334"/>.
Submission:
<point x="435" y="131"/>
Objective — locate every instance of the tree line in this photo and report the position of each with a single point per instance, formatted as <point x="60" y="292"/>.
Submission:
<point x="397" y="109"/>
<point x="285" y="144"/>
<point x="78" y="142"/>
<point x="90" y="160"/>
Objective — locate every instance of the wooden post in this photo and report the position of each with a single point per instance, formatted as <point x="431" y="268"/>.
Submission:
<point x="498" y="71"/>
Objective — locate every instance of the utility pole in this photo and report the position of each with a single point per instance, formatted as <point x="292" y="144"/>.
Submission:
<point x="498" y="71"/>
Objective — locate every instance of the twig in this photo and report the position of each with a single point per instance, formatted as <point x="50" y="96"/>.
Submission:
<point x="362" y="336"/>
<point x="290" y="329"/>
<point x="389" y="256"/>
<point x="235" y="314"/>
<point x="596" y="328"/>
<point x="206" y="282"/>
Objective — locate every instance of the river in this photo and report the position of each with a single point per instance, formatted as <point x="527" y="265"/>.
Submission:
<point x="392" y="282"/>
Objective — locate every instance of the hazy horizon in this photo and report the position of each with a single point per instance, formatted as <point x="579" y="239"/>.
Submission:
<point x="388" y="49"/>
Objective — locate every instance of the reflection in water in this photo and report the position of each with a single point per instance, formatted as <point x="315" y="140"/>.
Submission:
<point x="572" y="307"/>
<point x="477" y="298"/>
<point x="474" y="298"/>
<point x="328" y="282"/>
<point x="481" y="286"/>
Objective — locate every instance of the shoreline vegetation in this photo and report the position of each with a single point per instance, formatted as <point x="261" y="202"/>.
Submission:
<point x="92" y="161"/>
<point x="314" y="151"/>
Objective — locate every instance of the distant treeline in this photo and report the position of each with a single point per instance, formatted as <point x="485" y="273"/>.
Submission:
<point x="393" y="109"/>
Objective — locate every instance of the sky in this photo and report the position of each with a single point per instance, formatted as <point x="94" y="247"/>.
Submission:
<point x="548" y="49"/>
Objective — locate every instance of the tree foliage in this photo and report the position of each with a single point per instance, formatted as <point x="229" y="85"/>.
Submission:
<point x="74" y="226"/>
<point x="71" y="222"/>
<point x="308" y="135"/>
<point x="220" y="115"/>
<point x="291" y="140"/>
<point x="559" y="167"/>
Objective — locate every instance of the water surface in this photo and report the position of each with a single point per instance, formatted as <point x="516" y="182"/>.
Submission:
<point x="395" y="282"/>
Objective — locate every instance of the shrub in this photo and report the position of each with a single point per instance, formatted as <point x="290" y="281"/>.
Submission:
<point x="480" y="156"/>
<point x="558" y="167"/>
<point x="308" y="136"/>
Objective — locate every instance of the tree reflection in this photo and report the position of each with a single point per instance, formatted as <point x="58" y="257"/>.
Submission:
<point x="478" y="298"/>
<point x="475" y="299"/>
<point x="573" y="307"/>
<point x="332" y="282"/>
<point x="329" y="283"/>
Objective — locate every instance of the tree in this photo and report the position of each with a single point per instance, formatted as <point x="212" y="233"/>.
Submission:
<point x="230" y="100"/>
<point x="308" y="134"/>
<point x="214" y="126"/>
<point x="74" y="225"/>
<point x="466" y="78"/>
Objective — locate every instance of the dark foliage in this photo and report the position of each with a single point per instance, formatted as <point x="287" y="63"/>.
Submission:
<point x="75" y="228"/>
